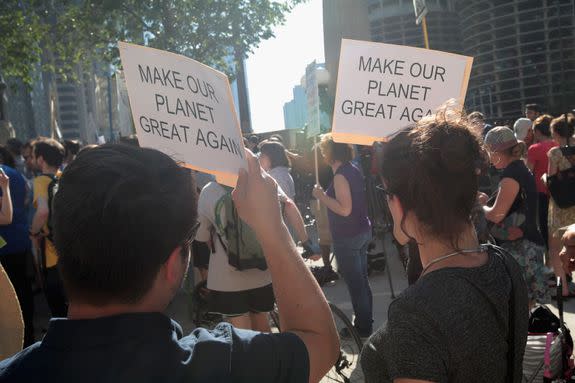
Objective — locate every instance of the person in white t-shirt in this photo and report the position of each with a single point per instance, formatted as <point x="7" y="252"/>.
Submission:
<point x="242" y="297"/>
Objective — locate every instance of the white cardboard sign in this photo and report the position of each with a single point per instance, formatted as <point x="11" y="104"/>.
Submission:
<point x="312" y="94"/>
<point x="382" y="88"/>
<point x="184" y="109"/>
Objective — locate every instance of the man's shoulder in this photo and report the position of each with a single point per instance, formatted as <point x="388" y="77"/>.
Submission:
<point x="249" y="355"/>
<point x="536" y="148"/>
<point x="17" y="367"/>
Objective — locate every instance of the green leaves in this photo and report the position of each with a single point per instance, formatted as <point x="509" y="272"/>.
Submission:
<point x="60" y="34"/>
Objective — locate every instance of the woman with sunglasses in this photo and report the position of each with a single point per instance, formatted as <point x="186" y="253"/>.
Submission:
<point x="350" y="229"/>
<point x="465" y="319"/>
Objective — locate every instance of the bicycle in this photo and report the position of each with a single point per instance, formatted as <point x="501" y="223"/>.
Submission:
<point x="198" y="308"/>
<point x="346" y="368"/>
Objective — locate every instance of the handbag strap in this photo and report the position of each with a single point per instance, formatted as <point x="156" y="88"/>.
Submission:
<point x="511" y="352"/>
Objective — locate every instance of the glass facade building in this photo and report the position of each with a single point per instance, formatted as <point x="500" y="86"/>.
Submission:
<point x="523" y="50"/>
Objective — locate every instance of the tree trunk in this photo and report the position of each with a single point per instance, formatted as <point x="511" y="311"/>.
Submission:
<point x="244" y="107"/>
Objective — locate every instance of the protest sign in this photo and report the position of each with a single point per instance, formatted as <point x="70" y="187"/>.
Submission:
<point x="382" y="88"/>
<point x="184" y="109"/>
<point x="312" y="95"/>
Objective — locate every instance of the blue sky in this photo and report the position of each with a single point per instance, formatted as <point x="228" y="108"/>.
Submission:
<point x="279" y="64"/>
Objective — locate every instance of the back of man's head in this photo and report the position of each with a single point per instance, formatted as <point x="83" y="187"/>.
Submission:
<point x="119" y="213"/>
<point x="534" y="108"/>
<point x="50" y="150"/>
<point x="72" y="147"/>
<point x="14" y="145"/>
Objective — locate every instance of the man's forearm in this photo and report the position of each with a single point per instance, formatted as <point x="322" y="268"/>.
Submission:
<point x="303" y="308"/>
<point x="295" y="221"/>
<point x="6" y="206"/>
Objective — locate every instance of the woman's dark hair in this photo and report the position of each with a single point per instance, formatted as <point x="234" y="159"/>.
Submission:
<point x="543" y="125"/>
<point x="276" y="153"/>
<point x="6" y="158"/>
<point x="432" y="168"/>
<point x="564" y="126"/>
<point x="335" y="151"/>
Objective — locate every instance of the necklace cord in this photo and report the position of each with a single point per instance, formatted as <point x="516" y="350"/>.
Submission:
<point x="480" y="249"/>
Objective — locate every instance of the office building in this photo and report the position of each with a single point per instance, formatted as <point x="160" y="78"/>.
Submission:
<point x="295" y="111"/>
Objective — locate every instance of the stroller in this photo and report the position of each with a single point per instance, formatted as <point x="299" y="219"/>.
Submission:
<point x="549" y="350"/>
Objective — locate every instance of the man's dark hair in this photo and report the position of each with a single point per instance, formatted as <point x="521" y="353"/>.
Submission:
<point x="276" y="153"/>
<point x="14" y="145"/>
<point x="6" y="158"/>
<point x="119" y="212"/>
<point x="276" y="138"/>
<point x="543" y="125"/>
<point x="130" y="140"/>
<point x="72" y="147"/>
<point x="50" y="150"/>
<point x="534" y="107"/>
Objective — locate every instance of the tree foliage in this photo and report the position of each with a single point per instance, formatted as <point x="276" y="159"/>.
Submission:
<point x="59" y="34"/>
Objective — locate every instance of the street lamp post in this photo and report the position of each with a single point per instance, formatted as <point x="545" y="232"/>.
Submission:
<point x="110" y="72"/>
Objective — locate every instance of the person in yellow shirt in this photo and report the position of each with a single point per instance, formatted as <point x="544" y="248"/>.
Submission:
<point x="48" y="155"/>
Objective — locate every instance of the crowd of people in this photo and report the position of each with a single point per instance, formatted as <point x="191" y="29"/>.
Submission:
<point x="108" y="231"/>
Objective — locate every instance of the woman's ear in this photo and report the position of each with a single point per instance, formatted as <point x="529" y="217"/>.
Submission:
<point x="399" y="218"/>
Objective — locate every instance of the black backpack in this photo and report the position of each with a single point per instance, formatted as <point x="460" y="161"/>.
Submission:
<point x="52" y="190"/>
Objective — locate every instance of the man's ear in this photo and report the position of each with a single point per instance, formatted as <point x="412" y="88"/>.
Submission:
<point x="173" y="268"/>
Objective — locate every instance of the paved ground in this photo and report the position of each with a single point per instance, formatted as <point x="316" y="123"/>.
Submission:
<point x="336" y="293"/>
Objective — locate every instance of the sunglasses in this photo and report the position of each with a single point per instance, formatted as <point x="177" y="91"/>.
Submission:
<point x="185" y="247"/>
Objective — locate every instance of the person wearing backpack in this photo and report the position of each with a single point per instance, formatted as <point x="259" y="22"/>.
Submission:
<point x="562" y="129"/>
<point x="48" y="155"/>
<point x="239" y="283"/>
<point x="240" y="288"/>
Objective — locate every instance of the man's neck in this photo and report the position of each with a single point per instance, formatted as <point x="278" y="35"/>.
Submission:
<point x="49" y="170"/>
<point x="88" y="311"/>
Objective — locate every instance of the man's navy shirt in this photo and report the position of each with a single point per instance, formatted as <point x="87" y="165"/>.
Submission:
<point x="149" y="347"/>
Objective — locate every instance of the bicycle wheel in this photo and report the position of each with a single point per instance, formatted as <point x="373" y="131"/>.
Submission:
<point x="347" y="368"/>
<point x="275" y="319"/>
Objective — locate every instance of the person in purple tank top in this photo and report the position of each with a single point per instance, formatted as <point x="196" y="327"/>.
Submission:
<point x="350" y="229"/>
